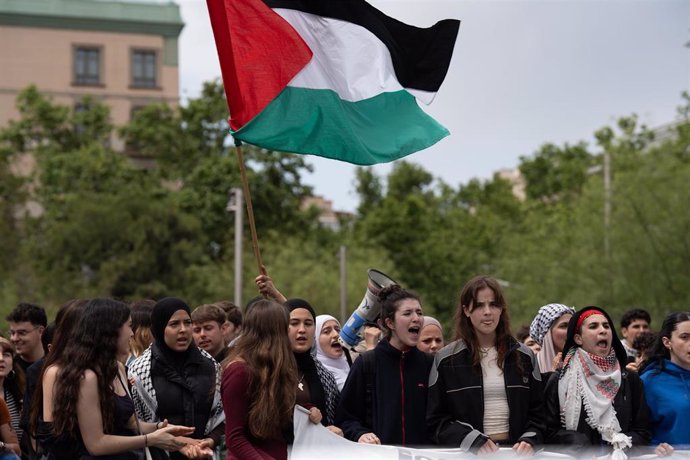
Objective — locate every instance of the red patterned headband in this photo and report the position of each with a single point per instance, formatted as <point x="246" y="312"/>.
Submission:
<point x="587" y="314"/>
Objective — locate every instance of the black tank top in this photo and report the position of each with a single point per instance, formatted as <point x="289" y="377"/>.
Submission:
<point x="65" y="448"/>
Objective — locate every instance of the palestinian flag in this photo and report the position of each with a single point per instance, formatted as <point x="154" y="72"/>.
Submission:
<point x="334" y="78"/>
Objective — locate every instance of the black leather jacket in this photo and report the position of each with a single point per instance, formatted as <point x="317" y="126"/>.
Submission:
<point x="455" y="408"/>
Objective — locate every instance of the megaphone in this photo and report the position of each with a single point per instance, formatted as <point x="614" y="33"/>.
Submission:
<point x="368" y="310"/>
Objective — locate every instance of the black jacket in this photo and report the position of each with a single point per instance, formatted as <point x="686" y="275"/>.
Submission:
<point x="631" y="410"/>
<point x="397" y="396"/>
<point x="185" y="395"/>
<point x="455" y="411"/>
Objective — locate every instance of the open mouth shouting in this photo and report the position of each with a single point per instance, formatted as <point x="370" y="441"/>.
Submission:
<point x="414" y="332"/>
<point x="336" y="348"/>
<point x="603" y="344"/>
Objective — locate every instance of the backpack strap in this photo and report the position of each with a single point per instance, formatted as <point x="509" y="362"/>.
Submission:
<point x="348" y="356"/>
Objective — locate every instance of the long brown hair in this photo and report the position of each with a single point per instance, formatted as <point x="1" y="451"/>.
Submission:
<point x="465" y="330"/>
<point x="65" y="320"/>
<point x="265" y="348"/>
<point x="92" y="345"/>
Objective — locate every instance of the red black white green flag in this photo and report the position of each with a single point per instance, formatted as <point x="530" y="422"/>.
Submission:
<point x="334" y="78"/>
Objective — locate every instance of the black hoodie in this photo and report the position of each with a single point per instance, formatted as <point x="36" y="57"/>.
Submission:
<point x="398" y="397"/>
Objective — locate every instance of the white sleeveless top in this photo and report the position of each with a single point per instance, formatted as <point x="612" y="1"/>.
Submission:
<point x="495" y="398"/>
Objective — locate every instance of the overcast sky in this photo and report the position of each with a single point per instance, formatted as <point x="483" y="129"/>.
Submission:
<point x="523" y="73"/>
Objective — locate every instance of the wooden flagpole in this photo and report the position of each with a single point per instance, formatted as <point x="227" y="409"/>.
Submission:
<point x="250" y="209"/>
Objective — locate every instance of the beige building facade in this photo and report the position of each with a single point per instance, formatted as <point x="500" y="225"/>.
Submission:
<point x="124" y="54"/>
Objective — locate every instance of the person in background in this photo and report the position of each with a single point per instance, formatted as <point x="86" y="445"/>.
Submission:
<point x="27" y="323"/>
<point x="234" y="320"/>
<point x="485" y="388"/>
<point x="549" y="329"/>
<point x="431" y="337"/>
<point x="666" y="378"/>
<point x="593" y="400"/>
<point x="259" y="385"/>
<point x="175" y="380"/>
<point x="12" y="384"/>
<point x="9" y="446"/>
<point x="329" y="351"/>
<point x="633" y="322"/>
<point x="209" y="327"/>
<point x="523" y="336"/>
<point x="141" y="326"/>
<point x="316" y="388"/>
<point x="384" y="398"/>
<point x="643" y="343"/>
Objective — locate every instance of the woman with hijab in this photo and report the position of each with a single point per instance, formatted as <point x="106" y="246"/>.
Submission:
<point x="593" y="400"/>
<point x="328" y="349"/>
<point x="316" y="386"/>
<point x="175" y="380"/>
<point x="549" y="329"/>
<point x="431" y="336"/>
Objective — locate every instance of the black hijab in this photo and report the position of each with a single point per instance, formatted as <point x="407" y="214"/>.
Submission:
<point x="618" y="348"/>
<point x="162" y="312"/>
<point x="305" y="361"/>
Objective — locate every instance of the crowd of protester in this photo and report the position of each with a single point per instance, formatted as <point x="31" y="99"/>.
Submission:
<point x="159" y="380"/>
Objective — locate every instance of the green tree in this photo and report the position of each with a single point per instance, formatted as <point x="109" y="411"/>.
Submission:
<point x="555" y="173"/>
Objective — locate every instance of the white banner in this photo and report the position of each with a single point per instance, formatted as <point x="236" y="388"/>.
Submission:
<point x="314" y="441"/>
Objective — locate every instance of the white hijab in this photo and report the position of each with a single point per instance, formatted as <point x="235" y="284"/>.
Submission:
<point x="337" y="366"/>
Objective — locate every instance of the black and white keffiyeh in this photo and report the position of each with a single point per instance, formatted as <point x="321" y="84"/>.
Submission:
<point x="144" y="394"/>
<point x="330" y="387"/>
<point x="541" y="324"/>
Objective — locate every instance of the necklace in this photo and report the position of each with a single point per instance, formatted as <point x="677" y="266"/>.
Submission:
<point x="300" y="385"/>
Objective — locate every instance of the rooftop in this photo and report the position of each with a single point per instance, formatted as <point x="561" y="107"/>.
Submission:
<point x="113" y="16"/>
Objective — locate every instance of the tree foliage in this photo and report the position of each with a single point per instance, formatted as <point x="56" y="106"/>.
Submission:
<point x="86" y="221"/>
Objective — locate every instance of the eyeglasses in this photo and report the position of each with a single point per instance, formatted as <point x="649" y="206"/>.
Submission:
<point x="21" y="332"/>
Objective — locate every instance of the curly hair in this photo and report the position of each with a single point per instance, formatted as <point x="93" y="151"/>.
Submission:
<point x="265" y="347"/>
<point x="92" y="345"/>
<point x="390" y="298"/>
<point x="465" y="330"/>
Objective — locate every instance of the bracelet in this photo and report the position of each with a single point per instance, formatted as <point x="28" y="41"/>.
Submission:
<point x="157" y="427"/>
<point x="146" y="441"/>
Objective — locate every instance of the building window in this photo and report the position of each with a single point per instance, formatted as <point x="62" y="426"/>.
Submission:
<point x="144" y="69"/>
<point x="87" y="66"/>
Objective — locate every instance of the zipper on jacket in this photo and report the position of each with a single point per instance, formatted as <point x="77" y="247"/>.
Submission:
<point x="402" y="395"/>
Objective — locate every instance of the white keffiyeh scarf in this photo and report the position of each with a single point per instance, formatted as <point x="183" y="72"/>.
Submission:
<point x="593" y="382"/>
